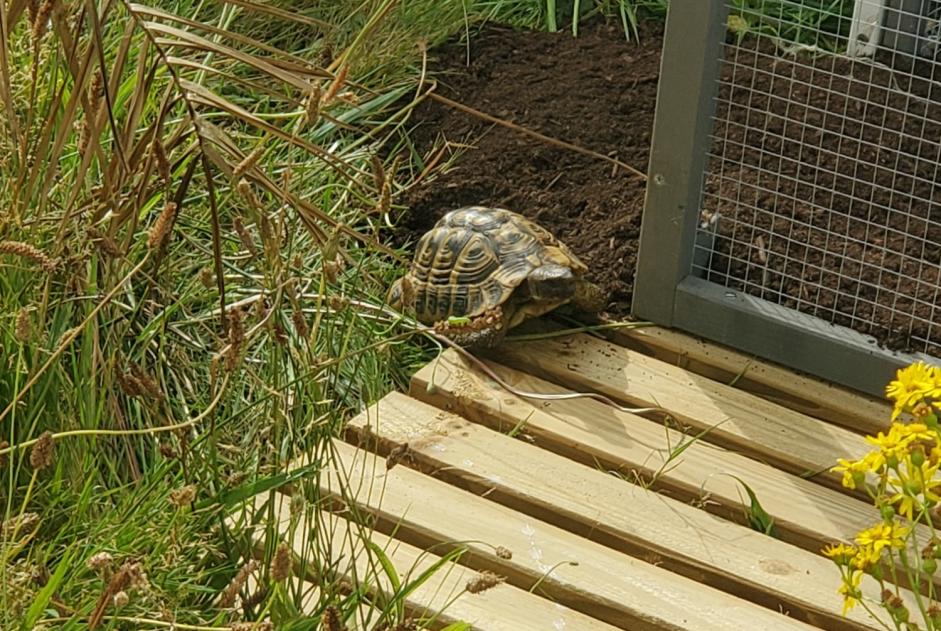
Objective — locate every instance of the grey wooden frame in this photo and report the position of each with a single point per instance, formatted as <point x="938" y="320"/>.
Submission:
<point x="666" y="291"/>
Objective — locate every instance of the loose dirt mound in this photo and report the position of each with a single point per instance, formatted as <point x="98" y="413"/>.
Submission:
<point x="597" y="91"/>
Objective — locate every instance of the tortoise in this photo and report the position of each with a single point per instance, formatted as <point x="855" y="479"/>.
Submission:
<point x="481" y="271"/>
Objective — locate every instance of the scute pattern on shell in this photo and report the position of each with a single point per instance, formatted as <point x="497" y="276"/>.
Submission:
<point x="474" y="258"/>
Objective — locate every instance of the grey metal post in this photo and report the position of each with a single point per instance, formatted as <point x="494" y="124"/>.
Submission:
<point x="689" y="69"/>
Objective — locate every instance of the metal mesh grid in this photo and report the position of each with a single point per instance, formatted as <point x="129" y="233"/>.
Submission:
<point x="822" y="189"/>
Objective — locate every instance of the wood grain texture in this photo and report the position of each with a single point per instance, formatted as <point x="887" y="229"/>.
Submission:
<point x="583" y="575"/>
<point x="742" y="421"/>
<point x="806" y="514"/>
<point x="594" y="504"/>
<point x="802" y="393"/>
<point x="442" y="598"/>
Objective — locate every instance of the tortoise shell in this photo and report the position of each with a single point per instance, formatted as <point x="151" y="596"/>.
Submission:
<point x="474" y="258"/>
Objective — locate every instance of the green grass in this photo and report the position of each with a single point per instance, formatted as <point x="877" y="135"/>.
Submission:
<point x="122" y="351"/>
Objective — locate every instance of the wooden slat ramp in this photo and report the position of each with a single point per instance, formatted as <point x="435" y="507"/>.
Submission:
<point x="602" y="519"/>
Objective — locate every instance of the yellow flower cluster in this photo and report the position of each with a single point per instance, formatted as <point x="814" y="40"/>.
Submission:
<point x="900" y="475"/>
<point x="914" y="385"/>
<point x="856" y="560"/>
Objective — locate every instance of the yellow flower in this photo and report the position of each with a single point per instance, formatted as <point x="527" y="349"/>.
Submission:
<point x="850" y="590"/>
<point x="916" y="485"/>
<point x="882" y="536"/>
<point x="911" y="432"/>
<point x="912" y="384"/>
<point x="841" y="553"/>
<point x="853" y="471"/>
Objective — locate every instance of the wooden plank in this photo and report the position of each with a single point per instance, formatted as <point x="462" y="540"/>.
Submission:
<point x="586" y="576"/>
<point x="588" y="431"/>
<point x="775" y="383"/>
<point x="621" y="515"/>
<point x="741" y="421"/>
<point x="443" y="598"/>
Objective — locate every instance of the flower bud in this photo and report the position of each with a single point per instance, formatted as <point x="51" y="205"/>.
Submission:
<point x="929" y="565"/>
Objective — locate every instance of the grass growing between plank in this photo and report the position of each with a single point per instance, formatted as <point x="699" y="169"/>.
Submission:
<point x="191" y="285"/>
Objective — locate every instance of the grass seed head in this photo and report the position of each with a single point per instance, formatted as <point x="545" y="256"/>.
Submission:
<point x="23" y="330"/>
<point x="183" y="496"/>
<point x="483" y="581"/>
<point x="281" y="563"/>
<point x="300" y="323"/>
<point x="334" y="88"/>
<point x="236" y="338"/>
<point x="99" y="561"/>
<point x="331" y="621"/>
<point x="246" y="192"/>
<point x="378" y="171"/>
<point x="252" y="626"/>
<point x="397" y="455"/>
<point x="95" y="92"/>
<point x="163" y="162"/>
<point x="163" y="226"/>
<point x="312" y="107"/>
<point x="26" y="251"/>
<point x="41" y="21"/>
<point x="147" y="383"/>
<point x="43" y="453"/>
<point x="298" y="504"/>
<point x="236" y="584"/>
<point x="247" y="162"/>
<point x="129" y="384"/>
<point x="32" y="8"/>
<point x="207" y="277"/>
<point x="105" y="243"/>
<point x="19" y="524"/>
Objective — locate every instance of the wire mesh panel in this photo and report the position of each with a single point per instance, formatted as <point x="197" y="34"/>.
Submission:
<point x="822" y="192"/>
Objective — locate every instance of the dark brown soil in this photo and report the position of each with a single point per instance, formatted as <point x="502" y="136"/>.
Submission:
<point x="596" y="91"/>
<point x="827" y="196"/>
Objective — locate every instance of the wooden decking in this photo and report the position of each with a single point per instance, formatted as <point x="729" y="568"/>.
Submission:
<point x="603" y="519"/>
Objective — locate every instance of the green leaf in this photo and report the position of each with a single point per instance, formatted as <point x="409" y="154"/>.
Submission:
<point x="45" y="594"/>
<point x="239" y="494"/>
<point x="758" y="517"/>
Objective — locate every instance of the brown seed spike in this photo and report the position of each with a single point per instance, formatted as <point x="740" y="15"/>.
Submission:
<point x="27" y="251"/>
<point x="42" y="19"/>
<point x="331" y="621"/>
<point x="281" y="563"/>
<point x="105" y="243"/>
<point x="236" y="584"/>
<point x="244" y="236"/>
<point x="23" y="330"/>
<point x="43" y="452"/>
<point x="312" y="107"/>
<point x="163" y="162"/>
<point x="483" y="581"/>
<point x="300" y="323"/>
<point x="248" y="162"/>
<point x="162" y="227"/>
<point x="336" y="84"/>
<point x="183" y="496"/>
